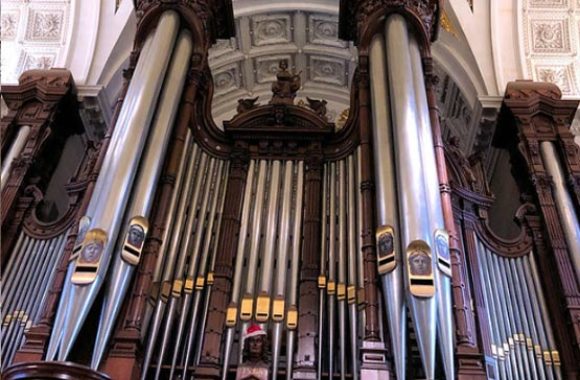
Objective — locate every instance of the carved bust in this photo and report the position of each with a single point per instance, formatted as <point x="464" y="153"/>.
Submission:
<point x="254" y="356"/>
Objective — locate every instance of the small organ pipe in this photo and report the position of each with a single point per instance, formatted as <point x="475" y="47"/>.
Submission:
<point x="296" y="248"/>
<point x="342" y="278"/>
<point x="234" y="307"/>
<point x="496" y="340"/>
<point x="172" y="250"/>
<point x="545" y="316"/>
<point x="200" y="282"/>
<point x="322" y="276"/>
<point x="213" y="260"/>
<point x="282" y="267"/>
<point x="13" y="153"/>
<point x="331" y="285"/>
<point x="194" y="253"/>
<point x="186" y="247"/>
<point x="352" y="264"/>
<point x="532" y="338"/>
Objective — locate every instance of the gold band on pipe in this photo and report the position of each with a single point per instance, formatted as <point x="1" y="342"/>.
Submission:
<point x="263" y="308"/>
<point x="188" y="285"/>
<point x="547" y="358"/>
<point x="361" y="298"/>
<point x="351" y="294"/>
<point x="246" y="309"/>
<point x="292" y="318"/>
<point x="177" y="288"/>
<point x="556" y="358"/>
<point x="538" y="351"/>
<point x="199" y="282"/>
<point x="165" y="290"/>
<point x="210" y="278"/>
<point x="89" y="258"/>
<point x="278" y="309"/>
<point x="420" y="269"/>
<point x="321" y="282"/>
<point x="341" y="291"/>
<point x="331" y="287"/>
<point x="231" y="316"/>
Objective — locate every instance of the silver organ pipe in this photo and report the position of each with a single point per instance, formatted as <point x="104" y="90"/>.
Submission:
<point x="170" y="221"/>
<point x="175" y="297"/>
<point x="518" y="325"/>
<point x="24" y="287"/>
<point x="551" y="356"/>
<point x="440" y="237"/>
<point x="279" y="304"/>
<point x="341" y="285"/>
<point x="390" y="260"/>
<point x="353" y="264"/>
<point x="194" y="253"/>
<point x="359" y="256"/>
<point x="171" y="250"/>
<point x="218" y="193"/>
<point x="564" y="203"/>
<point x="136" y="220"/>
<point x="13" y="153"/>
<point x="331" y="284"/>
<point x="339" y="276"/>
<point x="106" y="208"/>
<point x="234" y="307"/>
<point x="292" y="313"/>
<point x="322" y="277"/>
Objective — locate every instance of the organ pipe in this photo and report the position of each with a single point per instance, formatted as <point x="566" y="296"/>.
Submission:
<point x="564" y="203"/>
<point x="390" y="266"/>
<point x="118" y="171"/>
<point x="136" y="221"/>
<point x="13" y="153"/>
<point x="415" y="229"/>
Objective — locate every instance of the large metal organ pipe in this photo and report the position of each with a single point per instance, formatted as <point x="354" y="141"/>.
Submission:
<point x="414" y="221"/>
<point x="564" y="203"/>
<point x="440" y="237"/>
<point x="118" y="171"/>
<point x="130" y="242"/>
<point x="13" y="153"/>
<point x="388" y="237"/>
<point x="521" y="335"/>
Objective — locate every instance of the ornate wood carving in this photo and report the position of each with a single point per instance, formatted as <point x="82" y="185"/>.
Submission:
<point x="52" y="370"/>
<point x="532" y="113"/>
<point x="360" y="19"/>
<point x="45" y="101"/>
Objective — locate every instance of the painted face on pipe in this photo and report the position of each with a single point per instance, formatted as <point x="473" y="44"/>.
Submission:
<point x="136" y="236"/>
<point x="92" y="252"/>
<point x="386" y="244"/>
<point x="420" y="263"/>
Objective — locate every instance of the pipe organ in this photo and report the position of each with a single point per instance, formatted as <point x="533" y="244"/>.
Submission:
<point x="279" y="246"/>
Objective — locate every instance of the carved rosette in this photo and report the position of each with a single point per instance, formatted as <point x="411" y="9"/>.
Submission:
<point x="357" y="17"/>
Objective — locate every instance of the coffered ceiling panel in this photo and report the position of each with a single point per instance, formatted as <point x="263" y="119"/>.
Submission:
<point x="307" y="40"/>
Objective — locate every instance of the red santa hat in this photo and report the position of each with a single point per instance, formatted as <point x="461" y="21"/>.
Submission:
<point x="254" y="330"/>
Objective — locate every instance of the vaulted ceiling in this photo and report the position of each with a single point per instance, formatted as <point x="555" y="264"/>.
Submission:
<point x="483" y="45"/>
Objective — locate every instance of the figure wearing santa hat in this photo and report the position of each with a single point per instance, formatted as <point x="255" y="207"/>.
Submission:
<point x="255" y="355"/>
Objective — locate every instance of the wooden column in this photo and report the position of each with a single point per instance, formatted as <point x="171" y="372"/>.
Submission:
<point x="469" y="356"/>
<point x="305" y="358"/>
